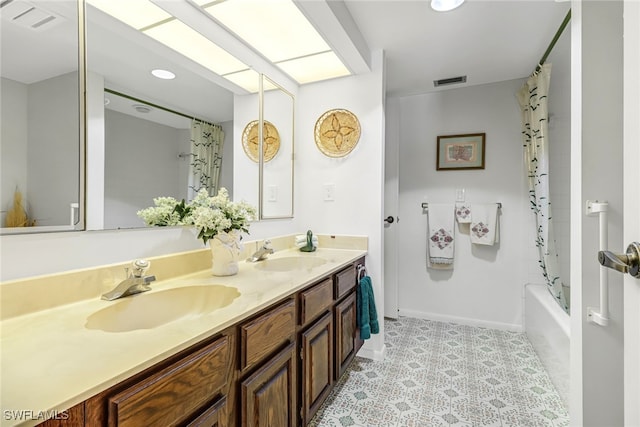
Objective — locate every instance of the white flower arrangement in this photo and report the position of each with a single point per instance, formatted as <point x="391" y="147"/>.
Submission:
<point x="210" y="215"/>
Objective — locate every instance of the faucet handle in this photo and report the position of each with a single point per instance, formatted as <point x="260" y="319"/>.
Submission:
<point x="140" y="266"/>
<point x="266" y="244"/>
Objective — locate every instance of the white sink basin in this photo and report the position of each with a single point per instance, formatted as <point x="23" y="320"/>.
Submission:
<point x="150" y="310"/>
<point x="292" y="263"/>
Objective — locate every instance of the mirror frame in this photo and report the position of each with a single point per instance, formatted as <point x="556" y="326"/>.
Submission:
<point x="261" y="215"/>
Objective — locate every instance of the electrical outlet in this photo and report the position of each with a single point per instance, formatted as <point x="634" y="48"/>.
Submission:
<point x="328" y="190"/>
<point x="460" y="195"/>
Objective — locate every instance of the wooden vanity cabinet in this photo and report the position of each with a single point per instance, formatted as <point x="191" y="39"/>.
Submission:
<point x="347" y="335"/>
<point x="72" y="417"/>
<point x="189" y="389"/>
<point x="274" y="369"/>
<point x="268" y="393"/>
<point x="268" y="396"/>
<point x="316" y="354"/>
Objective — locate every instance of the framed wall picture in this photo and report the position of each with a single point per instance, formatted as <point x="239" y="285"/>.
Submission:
<point x="461" y="151"/>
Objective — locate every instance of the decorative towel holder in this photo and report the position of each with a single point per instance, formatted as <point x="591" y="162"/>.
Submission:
<point x="362" y="271"/>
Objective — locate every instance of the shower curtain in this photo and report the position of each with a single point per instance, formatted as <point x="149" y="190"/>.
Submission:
<point x="533" y="104"/>
<point x="207" y="142"/>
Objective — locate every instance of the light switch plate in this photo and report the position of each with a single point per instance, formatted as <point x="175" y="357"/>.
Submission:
<point x="272" y="191"/>
<point x="459" y="194"/>
<point x="328" y="190"/>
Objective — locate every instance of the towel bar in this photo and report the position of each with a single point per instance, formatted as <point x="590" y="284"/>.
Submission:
<point x="426" y="205"/>
<point x="362" y="271"/>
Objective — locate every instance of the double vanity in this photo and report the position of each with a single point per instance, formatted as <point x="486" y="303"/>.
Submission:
<point x="261" y="348"/>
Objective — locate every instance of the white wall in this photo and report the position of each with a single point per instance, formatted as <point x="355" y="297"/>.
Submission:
<point x="40" y="151"/>
<point x="486" y="283"/>
<point x="141" y="162"/>
<point x="53" y="148"/>
<point x="226" y="171"/>
<point x="13" y="144"/>
<point x="358" y="177"/>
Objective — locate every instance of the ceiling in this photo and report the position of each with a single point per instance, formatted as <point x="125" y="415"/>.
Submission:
<point x="488" y="41"/>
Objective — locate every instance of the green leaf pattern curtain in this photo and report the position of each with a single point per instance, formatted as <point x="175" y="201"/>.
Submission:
<point x="533" y="104"/>
<point x="207" y="143"/>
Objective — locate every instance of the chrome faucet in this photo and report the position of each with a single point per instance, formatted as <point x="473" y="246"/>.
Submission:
<point x="135" y="283"/>
<point x="261" y="253"/>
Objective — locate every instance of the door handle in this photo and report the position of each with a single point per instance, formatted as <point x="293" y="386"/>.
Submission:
<point x="628" y="262"/>
<point x="389" y="219"/>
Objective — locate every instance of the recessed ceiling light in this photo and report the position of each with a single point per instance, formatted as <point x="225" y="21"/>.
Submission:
<point x="445" y="5"/>
<point x="163" y="74"/>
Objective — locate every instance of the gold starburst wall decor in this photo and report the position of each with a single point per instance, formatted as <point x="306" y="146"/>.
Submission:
<point x="337" y="132"/>
<point x="250" y="140"/>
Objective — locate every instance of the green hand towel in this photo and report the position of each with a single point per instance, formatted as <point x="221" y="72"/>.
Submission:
<point x="366" y="314"/>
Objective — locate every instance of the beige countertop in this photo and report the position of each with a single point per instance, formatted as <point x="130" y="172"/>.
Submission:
<point x="50" y="360"/>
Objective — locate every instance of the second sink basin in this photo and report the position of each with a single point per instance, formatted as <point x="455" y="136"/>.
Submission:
<point x="290" y="263"/>
<point x="150" y="310"/>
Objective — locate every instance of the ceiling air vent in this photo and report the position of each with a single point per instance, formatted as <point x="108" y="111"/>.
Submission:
<point x="28" y="15"/>
<point x="450" y="81"/>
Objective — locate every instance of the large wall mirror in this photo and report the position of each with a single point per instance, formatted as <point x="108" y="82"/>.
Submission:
<point x="42" y="123"/>
<point x="140" y="129"/>
<point x="153" y="126"/>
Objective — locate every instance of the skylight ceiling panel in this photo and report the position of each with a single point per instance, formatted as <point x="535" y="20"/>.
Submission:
<point x="135" y="13"/>
<point x="247" y="79"/>
<point x="196" y="47"/>
<point x="275" y="28"/>
<point x="314" y="68"/>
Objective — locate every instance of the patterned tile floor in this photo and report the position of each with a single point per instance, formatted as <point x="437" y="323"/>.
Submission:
<point x="445" y="374"/>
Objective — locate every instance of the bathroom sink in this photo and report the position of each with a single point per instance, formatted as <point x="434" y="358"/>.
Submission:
<point x="150" y="310"/>
<point x="290" y="263"/>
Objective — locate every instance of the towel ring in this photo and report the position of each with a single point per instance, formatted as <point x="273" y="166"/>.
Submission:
<point x="362" y="271"/>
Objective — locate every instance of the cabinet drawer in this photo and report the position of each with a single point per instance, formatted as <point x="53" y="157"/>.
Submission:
<point x="213" y="416"/>
<point x="266" y="333"/>
<point x="167" y="397"/>
<point x="345" y="280"/>
<point x="315" y="300"/>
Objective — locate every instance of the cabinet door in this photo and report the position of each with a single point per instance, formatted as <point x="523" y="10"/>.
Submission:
<point x="317" y="365"/>
<point x="268" y="396"/>
<point x="345" y="332"/>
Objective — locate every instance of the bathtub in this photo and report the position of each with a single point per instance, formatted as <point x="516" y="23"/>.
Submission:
<point x="548" y="328"/>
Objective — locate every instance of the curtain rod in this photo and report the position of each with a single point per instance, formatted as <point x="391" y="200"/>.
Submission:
<point x="160" y="107"/>
<point x="553" y="41"/>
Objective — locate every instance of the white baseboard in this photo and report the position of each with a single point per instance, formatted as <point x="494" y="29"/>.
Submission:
<point x="461" y="320"/>
<point x="372" y="354"/>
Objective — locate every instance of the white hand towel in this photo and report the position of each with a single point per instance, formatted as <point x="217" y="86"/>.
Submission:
<point x="484" y="228"/>
<point x="463" y="212"/>
<point x="301" y="240"/>
<point x="440" y="236"/>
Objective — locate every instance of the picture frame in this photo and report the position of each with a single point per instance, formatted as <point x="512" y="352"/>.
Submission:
<point x="455" y="152"/>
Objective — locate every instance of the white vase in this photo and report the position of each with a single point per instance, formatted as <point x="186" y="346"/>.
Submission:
<point x="225" y="253"/>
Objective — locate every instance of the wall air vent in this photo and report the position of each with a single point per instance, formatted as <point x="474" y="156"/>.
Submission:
<point x="28" y="15"/>
<point x="450" y="81"/>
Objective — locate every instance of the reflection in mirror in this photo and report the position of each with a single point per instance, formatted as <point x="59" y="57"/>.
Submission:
<point x="276" y="183"/>
<point x="141" y="126"/>
<point x="184" y="154"/>
<point x="42" y="116"/>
